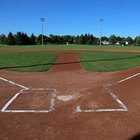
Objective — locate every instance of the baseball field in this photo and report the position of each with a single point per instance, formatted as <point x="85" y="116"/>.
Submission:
<point x="69" y="92"/>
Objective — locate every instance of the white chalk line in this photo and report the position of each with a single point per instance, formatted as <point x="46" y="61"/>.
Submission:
<point x="10" y="101"/>
<point x="130" y="77"/>
<point x="52" y="102"/>
<point x="13" y="83"/>
<point x="27" y="111"/>
<point x="51" y="107"/>
<point x="123" y="107"/>
<point x="78" y="109"/>
<point x="119" y="102"/>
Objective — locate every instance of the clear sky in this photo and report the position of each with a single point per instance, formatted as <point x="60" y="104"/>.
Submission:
<point x="71" y="17"/>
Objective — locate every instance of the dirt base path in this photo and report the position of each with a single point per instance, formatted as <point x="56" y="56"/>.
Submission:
<point x="67" y="61"/>
<point x="78" y="105"/>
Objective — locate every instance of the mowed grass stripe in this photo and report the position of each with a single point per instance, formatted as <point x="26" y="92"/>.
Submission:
<point x="109" y="61"/>
<point x="26" y="61"/>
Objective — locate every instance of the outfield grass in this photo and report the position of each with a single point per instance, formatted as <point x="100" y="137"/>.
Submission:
<point x="109" y="61"/>
<point x="26" y="61"/>
<point x="71" y="46"/>
<point x="95" y="61"/>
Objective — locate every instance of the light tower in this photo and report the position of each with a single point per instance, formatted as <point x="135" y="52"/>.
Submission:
<point x="42" y="21"/>
<point x="101" y="23"/>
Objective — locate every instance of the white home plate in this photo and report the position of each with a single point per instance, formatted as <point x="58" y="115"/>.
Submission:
<point x="65" y="98"/>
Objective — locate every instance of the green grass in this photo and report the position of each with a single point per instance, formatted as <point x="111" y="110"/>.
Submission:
<point x="40" y="60"/>
<point x="26" y="61"/>
<point x="71" y="46"/>
<point x="109" y="61"/>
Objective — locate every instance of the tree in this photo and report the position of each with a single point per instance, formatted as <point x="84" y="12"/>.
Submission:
<point x="21" y="39"/>
<point x="18" y="38"/>
<point x="113" y="39"/>
<point x="82" y="39"/>
<point x="10" y="39"/>
<point x="26" y="39"/>
<point x="138" y="40"/>
<point x="54" y="39"/>
<point x="130" y="40"/>
<point x="32" y="39"/>
<point x="39" y="39"/>
<point x="3" y="39"/>
<point x="104" y="38"/>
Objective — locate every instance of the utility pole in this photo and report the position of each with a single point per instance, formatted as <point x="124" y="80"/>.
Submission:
<point x="42" y="21"/>
<point x="101" y="23"/>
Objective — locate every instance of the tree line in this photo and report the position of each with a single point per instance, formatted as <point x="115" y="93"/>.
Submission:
<point x="21" y="38"/>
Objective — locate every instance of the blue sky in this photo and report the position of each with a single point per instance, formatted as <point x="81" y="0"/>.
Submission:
<point x="71" y="17"/>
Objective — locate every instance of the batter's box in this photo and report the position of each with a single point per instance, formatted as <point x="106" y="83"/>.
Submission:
<point x="32" y="100"/>
<point x="100" y="102"/>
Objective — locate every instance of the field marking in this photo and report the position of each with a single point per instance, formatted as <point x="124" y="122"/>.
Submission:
<point x="123" y="80"/>
<point x="10" y="101"/>
<point x="54" y="95"/>
<point x="13" y="83"/>
<point x="123" y="107"/>
<point x="52" y="101"/>
<point x="78" y="110"/>
<point x="51" y="107"/>
<point x="27" y="111"/>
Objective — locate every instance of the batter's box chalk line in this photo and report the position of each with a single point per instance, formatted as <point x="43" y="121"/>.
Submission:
<point x="52" y="100"/>
<point x="107" y="88"/>
<point x="123" y="107"/>
<point x="54" y="96"/>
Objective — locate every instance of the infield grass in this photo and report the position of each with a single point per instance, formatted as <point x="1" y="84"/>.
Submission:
<point x="26" y="61"/>
<point x="109" y="61"/>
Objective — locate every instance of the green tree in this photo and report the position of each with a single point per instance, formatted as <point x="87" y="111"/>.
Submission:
<point x="10" y="39"/>
<point x="32" y="39"/>
<point x="82" y="39"/>
<point x="113" y="39"/>
<point x="39" y="39"/>
<point x="130" y="40"/>
<point x="18" y="38"/>
<point x="25" y="39"/>
<point x="138" y="40"/>
<point x="3" y="39"/>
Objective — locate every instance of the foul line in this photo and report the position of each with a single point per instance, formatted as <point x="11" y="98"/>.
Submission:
<point x="123" y="80"/>
<point x="13" y="83"/>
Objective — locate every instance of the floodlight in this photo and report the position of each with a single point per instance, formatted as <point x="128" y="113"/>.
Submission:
<point x="101" y="21"/>
<point x="42" y="21"/>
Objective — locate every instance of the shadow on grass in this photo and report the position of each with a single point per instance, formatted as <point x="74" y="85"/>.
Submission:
<point x="67" y="63"/>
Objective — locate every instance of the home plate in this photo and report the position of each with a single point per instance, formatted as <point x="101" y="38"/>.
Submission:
<point x="65" y="98"/>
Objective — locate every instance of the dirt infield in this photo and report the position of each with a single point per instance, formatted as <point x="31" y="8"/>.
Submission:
<point x="68" y="103"/>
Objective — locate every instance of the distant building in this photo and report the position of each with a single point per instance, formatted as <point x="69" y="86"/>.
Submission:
<point x="106" y="42"/>
<point x="127" y="43"/>
<point x="118" y="43"/>
<point x="122" y="43"/>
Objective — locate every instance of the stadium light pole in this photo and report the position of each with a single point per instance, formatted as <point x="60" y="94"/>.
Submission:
<point x="42" y="21"/>
<point x="101" y="23"/>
